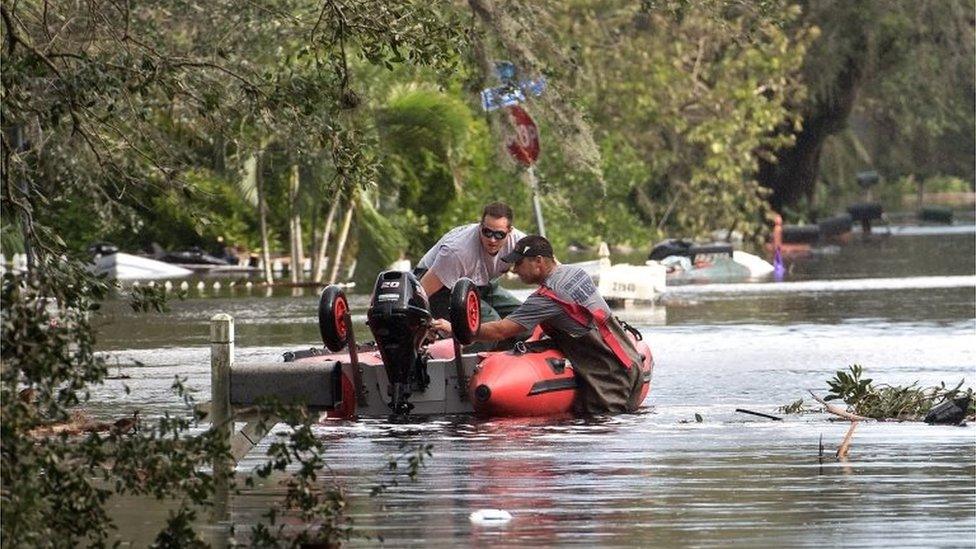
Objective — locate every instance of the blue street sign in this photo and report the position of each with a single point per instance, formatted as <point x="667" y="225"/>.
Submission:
<point x="502" y="96"/>
<point x="506" y="96"/>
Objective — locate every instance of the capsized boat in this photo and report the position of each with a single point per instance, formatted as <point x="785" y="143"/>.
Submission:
<point x="717" y="262"/>
<point x="403" y="373"/>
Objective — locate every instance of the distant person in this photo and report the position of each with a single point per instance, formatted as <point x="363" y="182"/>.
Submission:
<point x="577" y="319"/>
<point x="473" y="251"/>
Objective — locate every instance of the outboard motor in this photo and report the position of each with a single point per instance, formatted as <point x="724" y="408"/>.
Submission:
<point x="399" y="318"/>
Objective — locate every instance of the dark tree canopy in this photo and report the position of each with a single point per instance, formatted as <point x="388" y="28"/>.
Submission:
<point x="905" y="65"/>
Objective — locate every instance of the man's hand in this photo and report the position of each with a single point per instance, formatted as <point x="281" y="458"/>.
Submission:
<point x="441" y="325"/>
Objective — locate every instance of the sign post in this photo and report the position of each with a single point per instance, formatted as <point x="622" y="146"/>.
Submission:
<point x="536" y="203"/>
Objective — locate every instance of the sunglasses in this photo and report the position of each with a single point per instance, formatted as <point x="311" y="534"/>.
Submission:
<point x="493" y="235"/>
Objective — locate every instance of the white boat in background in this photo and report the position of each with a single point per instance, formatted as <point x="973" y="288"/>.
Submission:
<point x="623" y="284"/>
<point x="673" y="262"/>
<point x="116" y="265"/>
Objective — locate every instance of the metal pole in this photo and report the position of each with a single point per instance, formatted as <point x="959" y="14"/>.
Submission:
<point x="357" y="376"/>
<point x="221" y="359"/>
<point x="462" y="379"/>
<point x="25" y="216"/>
<point x="536" y="203"/>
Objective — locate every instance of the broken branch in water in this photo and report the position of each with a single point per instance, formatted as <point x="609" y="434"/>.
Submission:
<point x="837" y="411"/>
<point x="846" y="445"/>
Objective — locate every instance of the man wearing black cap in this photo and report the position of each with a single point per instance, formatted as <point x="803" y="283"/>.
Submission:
<point x="572" y="313"/>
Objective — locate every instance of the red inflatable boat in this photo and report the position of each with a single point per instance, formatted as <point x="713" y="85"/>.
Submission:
<point x="403" y="374"/>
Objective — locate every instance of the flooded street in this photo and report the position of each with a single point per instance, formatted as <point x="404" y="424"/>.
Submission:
<point x="902" y="307"/>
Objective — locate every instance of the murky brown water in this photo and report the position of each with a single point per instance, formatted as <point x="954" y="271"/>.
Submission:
<point x="656" y="477"/>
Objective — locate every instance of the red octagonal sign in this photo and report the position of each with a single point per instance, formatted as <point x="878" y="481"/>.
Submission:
<point x="525" y="147"/>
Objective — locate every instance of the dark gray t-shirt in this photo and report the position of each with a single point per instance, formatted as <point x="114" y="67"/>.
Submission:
<point x="459" y="253"/>
<point x="570" y="284"/>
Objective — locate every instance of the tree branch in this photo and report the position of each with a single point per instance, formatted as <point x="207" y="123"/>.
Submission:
<point x="12" y="38"/>
<point x="837" y="411"/>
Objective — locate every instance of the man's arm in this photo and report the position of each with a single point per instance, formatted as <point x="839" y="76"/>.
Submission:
<point x="498" y="330"/>
<point x="431" y="283"/>
<point x="489" y="331"/>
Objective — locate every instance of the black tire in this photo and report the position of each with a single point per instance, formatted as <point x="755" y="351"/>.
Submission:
<point x="801" y="234"/>
<point x="865" y="211"/>
<point x="333" y="309"/>
<point x="465" y="311"/>
<point x="837" y="225"/>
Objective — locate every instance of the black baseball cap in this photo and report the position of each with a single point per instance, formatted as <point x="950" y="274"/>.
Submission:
<point x="532" y="245"/>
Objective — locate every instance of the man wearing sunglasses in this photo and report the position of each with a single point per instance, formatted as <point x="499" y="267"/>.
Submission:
<point x="472" y="251"/>
<point x="578" y="322"/>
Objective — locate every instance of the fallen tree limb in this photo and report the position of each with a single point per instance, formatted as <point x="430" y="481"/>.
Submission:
<point x="846" y="445"/>
<point x="837" y="411"/>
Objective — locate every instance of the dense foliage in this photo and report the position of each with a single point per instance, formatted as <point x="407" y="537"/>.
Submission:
<point x="137" y="122"/>
<point x="891" y="88"/>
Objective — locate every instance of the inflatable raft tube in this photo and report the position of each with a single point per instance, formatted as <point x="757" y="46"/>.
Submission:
<point x="543" y="383"/>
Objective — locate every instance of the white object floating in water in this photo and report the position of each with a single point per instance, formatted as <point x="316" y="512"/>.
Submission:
<point x="490" y="516"/>
<point x="757" y="266"/>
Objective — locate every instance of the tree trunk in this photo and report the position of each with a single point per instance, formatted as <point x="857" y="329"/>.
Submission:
<point x="795" y="172"/>
<point x="263" y="220"/>
<point x="320" y="259"/>
<point x="342" y="240"/>
<point x="297" y="249"/>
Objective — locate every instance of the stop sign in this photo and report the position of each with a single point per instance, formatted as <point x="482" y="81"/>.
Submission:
<point x="524" y="148"/>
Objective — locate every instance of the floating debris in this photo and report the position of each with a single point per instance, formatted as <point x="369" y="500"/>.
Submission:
<point x="490" y="517"/>
<point x="882" y="401"/>
<point x="798" y="406"/>
<point x="950" y="412"/>
<point x="760" y="414"/>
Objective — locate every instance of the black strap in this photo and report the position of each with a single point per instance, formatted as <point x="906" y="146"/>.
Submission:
<point x="633" y="331"/>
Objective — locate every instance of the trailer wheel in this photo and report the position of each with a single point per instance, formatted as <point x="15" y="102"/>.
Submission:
<point x="333" y="308"/>
<point x="465" y="311"/>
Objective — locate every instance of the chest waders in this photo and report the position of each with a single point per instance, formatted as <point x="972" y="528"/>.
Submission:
<point x="607" y="365"/>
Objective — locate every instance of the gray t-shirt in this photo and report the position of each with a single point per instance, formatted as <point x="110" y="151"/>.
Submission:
<point x="459" y="253"/>
<point x="570" y="284"/>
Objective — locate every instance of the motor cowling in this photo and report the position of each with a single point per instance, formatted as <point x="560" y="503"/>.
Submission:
<point x="399" y="318"/>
